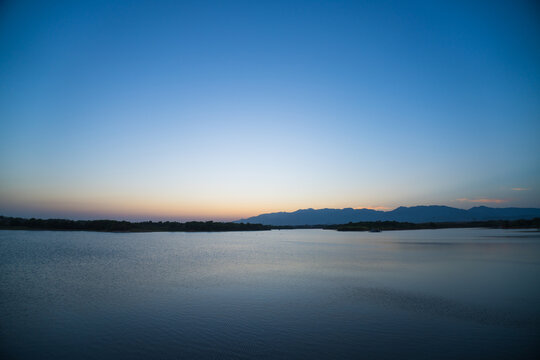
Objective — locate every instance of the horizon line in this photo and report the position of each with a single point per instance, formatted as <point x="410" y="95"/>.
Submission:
<point x="181" y="219"/>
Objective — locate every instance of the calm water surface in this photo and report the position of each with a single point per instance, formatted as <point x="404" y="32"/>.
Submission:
<point x="425" y="294"/>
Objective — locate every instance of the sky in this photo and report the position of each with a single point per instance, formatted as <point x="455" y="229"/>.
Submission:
<point x="219" y="110"/>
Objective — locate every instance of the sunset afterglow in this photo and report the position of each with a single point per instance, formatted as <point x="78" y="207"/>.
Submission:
<point x="182" y="110"/>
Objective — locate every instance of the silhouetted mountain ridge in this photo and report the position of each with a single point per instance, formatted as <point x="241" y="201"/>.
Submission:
<point x="414" y="214"/>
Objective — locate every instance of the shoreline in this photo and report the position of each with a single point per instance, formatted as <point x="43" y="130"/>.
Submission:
<point x="115" y="226"/>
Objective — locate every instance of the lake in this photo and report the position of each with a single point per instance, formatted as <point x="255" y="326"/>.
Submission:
<point x="423" y="294"/>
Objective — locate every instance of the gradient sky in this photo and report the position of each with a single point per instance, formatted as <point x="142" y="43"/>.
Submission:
<point x="226" y="109"/>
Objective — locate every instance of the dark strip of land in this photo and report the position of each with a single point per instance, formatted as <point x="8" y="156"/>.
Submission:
<point x="394" y="225"/>
<point x="15" y="223"/>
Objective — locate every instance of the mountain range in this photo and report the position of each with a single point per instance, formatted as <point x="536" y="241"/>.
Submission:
<point x="414" y="214"/>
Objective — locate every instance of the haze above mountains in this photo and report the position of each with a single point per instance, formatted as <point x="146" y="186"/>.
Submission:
<point x="414" y="214"/>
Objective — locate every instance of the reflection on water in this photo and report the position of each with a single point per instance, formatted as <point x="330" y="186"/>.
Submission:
<point x="456" y="293"/>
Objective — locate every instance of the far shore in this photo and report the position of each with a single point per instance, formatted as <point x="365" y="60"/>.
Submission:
<point x="15" y="223"/>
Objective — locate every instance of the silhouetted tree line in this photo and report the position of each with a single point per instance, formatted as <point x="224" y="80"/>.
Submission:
<point x="14" y="223"/>
<point x="395" y="225"/>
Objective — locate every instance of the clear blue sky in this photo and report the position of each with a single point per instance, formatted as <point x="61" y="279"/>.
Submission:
<point x="225" y="109"/>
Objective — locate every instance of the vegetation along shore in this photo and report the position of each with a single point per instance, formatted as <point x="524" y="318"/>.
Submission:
<point x="16" y="223"/>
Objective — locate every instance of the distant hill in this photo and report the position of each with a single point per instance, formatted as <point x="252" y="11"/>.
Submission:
<point x="414" y="214"/>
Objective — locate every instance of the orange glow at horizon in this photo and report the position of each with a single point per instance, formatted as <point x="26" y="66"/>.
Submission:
<point x="122" y="206"/>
